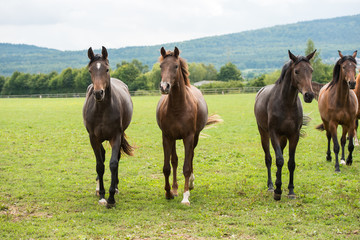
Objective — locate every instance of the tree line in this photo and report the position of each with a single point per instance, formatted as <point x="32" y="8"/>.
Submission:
<point x="139" y="77"/>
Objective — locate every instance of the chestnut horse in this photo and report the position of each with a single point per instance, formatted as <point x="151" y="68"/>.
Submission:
<point x="357" y="92"/>
<point x="181" y="114"/>
<point x="107" y="113"/>
<point x="279" y="115"/>
<point x="338" y="105"/>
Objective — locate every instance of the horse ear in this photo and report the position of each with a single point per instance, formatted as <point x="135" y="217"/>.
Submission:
<point x="104" y="52"/>
<point x="340" y="54"/>
<point x="292" y="56"/>
<point x="176" y="52"/>
<point x="90" y="53"/>
<point x="354" y="54"/>
<point x="163" y="52"/>
<point x="311" y="55"/>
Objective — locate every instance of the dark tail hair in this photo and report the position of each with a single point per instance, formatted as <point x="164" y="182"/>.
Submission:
<point x="320" y="127"/>
<point x="125" y="146"/>
<point x="306" y="120"/>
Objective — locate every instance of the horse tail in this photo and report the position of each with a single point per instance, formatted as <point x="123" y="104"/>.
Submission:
<point x="213" y="119"/>
<point x="125" y="146"/>
<point x="320" y="127"/>
<point x="306" y="120"/>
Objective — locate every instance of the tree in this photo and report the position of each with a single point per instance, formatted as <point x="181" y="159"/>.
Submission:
<point x="127" y="73"/>
<point x="322" y="72"/>
<point x="229" y="72"/>
<point x="258" y="82"/>
<point x="197" y="72"/>
<point x="154" y="76"/>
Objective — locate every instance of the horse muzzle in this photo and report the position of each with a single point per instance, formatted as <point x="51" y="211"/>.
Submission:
<point x="165" y="87"/>
<point x="352" y="84"/>
<point x="308" y="97"/>
<point x="99" y="95"/>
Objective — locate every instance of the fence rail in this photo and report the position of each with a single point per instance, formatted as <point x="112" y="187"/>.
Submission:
<point x="212" y="91"/>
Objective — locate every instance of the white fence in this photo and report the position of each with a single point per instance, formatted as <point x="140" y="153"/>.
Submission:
<point x="139" y="93"/>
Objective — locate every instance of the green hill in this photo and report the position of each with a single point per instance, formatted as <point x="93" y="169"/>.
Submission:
<point x="257" y="49"/>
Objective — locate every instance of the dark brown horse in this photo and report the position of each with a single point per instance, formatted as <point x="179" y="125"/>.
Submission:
<point x="279" y="115"/>
<point x="107" y="113"/>
<point x="339" y="105"/>
<point x="181" y="114"/>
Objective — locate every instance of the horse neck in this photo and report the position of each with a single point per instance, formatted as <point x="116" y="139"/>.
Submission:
<point x="357" y="86"/>
<point x="177" y="93"/>
<point x="342" y="93"/>
<point x="288" y="92"/>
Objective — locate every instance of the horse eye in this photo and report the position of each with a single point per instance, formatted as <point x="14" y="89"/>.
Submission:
<point x="107" y="70"/>
<point x="176" y="66"/>
<point x="296" y="71"/>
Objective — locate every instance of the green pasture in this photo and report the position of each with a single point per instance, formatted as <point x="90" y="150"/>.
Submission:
<point x="47" y="179"/>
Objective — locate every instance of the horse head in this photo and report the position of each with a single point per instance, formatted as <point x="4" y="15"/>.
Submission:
<point x="301" y="75"/>
<point x="347" y="68"/>
<point x="99" y="71"/>
<point x="170" y="65"/>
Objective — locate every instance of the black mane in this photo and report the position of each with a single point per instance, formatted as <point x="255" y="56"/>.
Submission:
<point x="336" y="71"/>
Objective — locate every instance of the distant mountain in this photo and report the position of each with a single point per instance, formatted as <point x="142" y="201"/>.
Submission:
<point x="256" y="49"/>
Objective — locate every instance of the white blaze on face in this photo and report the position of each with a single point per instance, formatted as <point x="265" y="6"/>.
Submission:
<point x="98" y="66"/>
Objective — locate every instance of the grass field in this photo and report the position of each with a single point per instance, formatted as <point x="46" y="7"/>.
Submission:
<point x="47" y="179"/>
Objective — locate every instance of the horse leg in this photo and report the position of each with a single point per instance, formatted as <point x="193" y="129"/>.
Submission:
<point x="100" y="168"/>
<point x="350" y="147"/>
<point x="268" y="161"/>
<point x="356" y="140"/>
<point x="174" y="163"/>
<point x="192" y="176"/>
<point x="279" y="164"/>
<point x="97" y="177"/>
<point x="114" y="168"/>
<point x="343" y="142"/>
<point x="167" y="147"/>
<point x="333" y="130"/>
<point x="291" y="164"/>
<point x="328" y="153"/>
<point x="189" y="155"/>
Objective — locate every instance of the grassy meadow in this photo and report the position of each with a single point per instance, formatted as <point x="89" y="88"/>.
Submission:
<point x="47" y="179"/>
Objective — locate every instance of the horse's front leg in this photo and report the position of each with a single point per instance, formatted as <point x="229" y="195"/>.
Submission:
<point x="291" y="164"/>
<point x="100" y="168"/>
<point x="333" y="131"/>
<point x="167" y="147"/>
<point x="114" y="168"/>
<point x="349" y="159"/>
<point x="174" y="163"/>
<point x="187" y="169"/>
<point x="279" y="164"/>
<point x="343" y="142"/>
<point x="268" y="161"/>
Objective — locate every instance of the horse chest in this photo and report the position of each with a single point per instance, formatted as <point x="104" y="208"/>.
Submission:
<point x="103" y="126"/>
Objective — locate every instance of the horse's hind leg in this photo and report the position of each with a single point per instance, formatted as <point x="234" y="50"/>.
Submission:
<point x="349" y="159"/>
<point x="99" y="152"/>
<point x="97" y="177"/>
<point x="328" y="153"/>
<point x="268" y="161"/>
<point x="192" y="176"/>
<point x="333" y="130"/>
<point x="291" y="164"/>
<point x="343" y="142"/>
<point x="356" y="140"/>
<point x="187" y="169"/>
<point x="114" y="168"/>
<point x="279" y="164"/>
<point x="174" y="163"/>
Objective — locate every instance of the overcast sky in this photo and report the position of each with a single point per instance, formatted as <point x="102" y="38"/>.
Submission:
<point x="79" y="24"/>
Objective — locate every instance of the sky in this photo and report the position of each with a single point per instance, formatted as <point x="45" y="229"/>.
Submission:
<point x="79" y="24"/>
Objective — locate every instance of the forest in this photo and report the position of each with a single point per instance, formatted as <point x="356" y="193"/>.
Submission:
<point x="138" y="76"/>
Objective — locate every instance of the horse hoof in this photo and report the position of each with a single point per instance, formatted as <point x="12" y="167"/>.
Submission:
<point x="174" y="193"/>
<point x="277" y="196"/>
<point x="337" y="171"/>
<point x="110" y="205"/>
<point x="187" y="203"/>
<point x="169" y="196"/>
<point x="116" y="191"/>
<point x="271" y="189"/>
<point x="328" y="159"/>
<point x="292" y="196"/>
<point x="97" y="193"/>
<point x="342" y="162"/>
<point x="103" y="202"/>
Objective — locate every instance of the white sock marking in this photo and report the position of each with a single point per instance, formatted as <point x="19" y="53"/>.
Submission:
<point x="186" y="198"/>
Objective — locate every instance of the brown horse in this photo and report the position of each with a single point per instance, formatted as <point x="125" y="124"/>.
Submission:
<point x="357" y="92"/>
<point x="107" y="113"/>
<point x="181" y="114"/>
<point x="338" y="105"/>
<point x="279" y="115"/>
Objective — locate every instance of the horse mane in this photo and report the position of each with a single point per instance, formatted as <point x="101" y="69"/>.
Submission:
<point x="98" y="57"/>
<point x="183" y="66"/>
<point x="336" y="71"/>
<point x="286" y="67"/>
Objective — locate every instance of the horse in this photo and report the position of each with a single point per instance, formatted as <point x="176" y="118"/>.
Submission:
<point x="316" y="88"/>
<point x="357" y="92"/>
<point x="279" y="116"/>
<point x="181" y="114"/>
<point x="107" y="113"/>
<point x="338" y="105"/>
